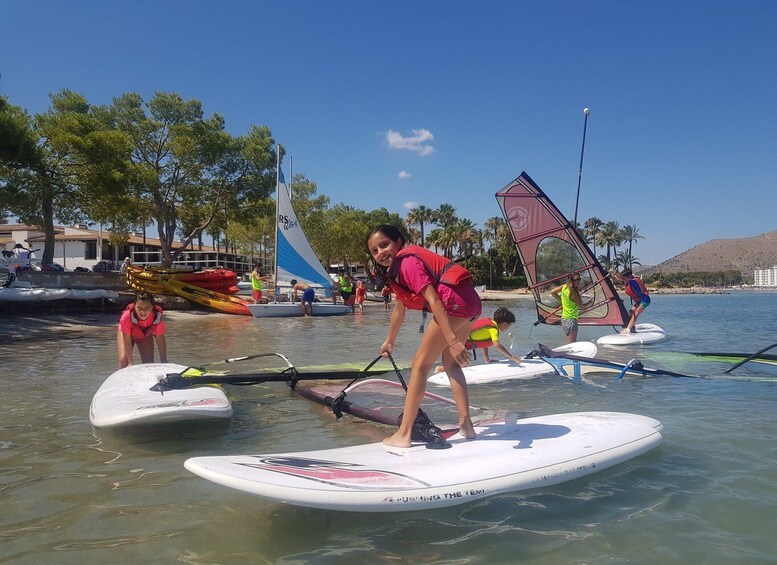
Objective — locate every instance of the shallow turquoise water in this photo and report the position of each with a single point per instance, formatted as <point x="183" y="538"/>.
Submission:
<point x="72" y="494"/>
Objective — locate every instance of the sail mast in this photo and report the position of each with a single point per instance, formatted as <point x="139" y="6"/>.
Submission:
<point x="586" y="113"/>
<point x="277" y="225"/>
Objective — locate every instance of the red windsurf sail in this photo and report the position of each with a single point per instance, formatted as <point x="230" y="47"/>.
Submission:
<point x="550" y="249"/>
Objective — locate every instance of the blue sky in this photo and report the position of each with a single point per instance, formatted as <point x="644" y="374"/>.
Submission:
<point x="394" y="103"/>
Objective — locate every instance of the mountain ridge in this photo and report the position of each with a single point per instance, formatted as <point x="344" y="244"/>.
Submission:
<point x="743" y="254"/>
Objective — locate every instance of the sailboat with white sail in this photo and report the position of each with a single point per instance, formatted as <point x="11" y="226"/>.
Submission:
<point x="295" y="260"/>
<point x="550" y="249"/>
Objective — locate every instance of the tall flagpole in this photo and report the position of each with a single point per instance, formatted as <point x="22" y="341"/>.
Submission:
<point x="586" y="113"/>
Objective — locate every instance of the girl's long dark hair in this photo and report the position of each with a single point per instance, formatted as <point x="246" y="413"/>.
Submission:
<point x="394" y="234"/>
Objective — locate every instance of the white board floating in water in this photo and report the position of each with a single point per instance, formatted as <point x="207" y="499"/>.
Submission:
<point x="645" y="334"/>
<point x="506" y="457"/>
<point x="507" y="370"/>
<point x="124" y="399"/>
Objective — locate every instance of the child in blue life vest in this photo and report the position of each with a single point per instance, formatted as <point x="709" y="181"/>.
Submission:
<point x="140" y="324"/>
<point x="485" y="334"/>
<point x="423" y="280"/>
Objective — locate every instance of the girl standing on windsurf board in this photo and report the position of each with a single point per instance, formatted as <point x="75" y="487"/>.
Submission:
<point x="640" y="297"/>
<point x="423" y="280"/>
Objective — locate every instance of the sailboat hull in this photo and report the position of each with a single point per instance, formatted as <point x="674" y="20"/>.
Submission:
<point x="288" y="309"/>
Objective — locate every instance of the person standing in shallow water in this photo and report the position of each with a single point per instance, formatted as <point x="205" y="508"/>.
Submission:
<point x="140" y="324"/>
<point x="386" y="293"/>
<point x="454" y="304"/>
<point x="571" y="301"/>
<point x="361" y="295"/>
<point x="256" y="285"/>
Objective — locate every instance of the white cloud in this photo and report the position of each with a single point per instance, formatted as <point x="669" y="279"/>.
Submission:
<point x="404" y="175"/>
<point x="410" y="205"/>
<point x="416" y="142"/>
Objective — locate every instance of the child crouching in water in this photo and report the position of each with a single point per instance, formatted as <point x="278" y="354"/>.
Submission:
<point x="139" y="325"/>
<point x="422" y="279"/>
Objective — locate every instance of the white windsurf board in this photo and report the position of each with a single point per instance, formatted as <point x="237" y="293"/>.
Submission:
<point x="645" y="334"/>
<point x="124" y="399"/>
<point x="506" y="370"/>
<point x="507" y="456"/>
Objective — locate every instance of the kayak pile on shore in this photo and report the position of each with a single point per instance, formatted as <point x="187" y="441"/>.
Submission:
<point x="150" y="279"/>
<point x="212" y="287"/>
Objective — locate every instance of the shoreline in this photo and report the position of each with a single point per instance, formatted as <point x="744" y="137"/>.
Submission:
<point x="524" y="292"/>
<point x="40" y="323"/>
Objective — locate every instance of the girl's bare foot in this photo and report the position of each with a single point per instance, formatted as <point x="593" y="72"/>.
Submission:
<point x="396" y="441"/>
<point x="467" y="430"/>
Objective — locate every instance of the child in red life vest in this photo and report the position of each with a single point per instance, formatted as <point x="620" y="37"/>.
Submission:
<point x="139" y="325"/>
<point x="422" y="279"/>
<point x="386" y="294"/>
<point x="361" y="295"/>
<point x="485" y="334"/>
<point x="636" y="290"/>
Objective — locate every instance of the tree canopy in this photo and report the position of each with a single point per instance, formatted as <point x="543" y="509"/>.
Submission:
<point x="163" y="162"/>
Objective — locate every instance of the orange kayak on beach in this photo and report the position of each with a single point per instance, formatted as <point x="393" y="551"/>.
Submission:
<point x="217" y="300"/>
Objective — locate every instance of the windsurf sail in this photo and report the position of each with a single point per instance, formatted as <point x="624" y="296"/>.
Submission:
<point x="550" y="249"/>
<point x="294" y="257"/>
<point x="376" y="400"/>
<point x="733" y="358"/>
<point x="382" y="401"/>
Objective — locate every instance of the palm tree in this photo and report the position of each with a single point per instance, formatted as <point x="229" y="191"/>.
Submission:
<point x="492" y="229"/>
<point x="611" y="236"/>
<point x="630" y="234"/>
<point x="445" y="215"/>
<point x="419" y="216"/>
<point x="592" y="226"/>
<point x="496" y="232"/>
<point x="449" y="240"/>
<point x="467" y="237"/>
<point x="579" y="229"/>
<point x="624" y="259"/>
<point x="435" y="238"/>
<point x="414" y="236"/>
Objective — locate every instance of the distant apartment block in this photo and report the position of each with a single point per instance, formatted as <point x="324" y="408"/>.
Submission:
<point x="765" y="277"/>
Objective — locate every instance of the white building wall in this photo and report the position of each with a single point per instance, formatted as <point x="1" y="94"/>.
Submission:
<point x="70" y="254"/>
<point x="765" y="277"/>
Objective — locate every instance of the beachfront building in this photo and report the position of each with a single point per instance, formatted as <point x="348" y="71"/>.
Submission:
<point x="765" y="277"/>
<point x="80" y="247"/>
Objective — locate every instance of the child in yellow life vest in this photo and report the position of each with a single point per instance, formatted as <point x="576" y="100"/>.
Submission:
<point x="485" y="334"/>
